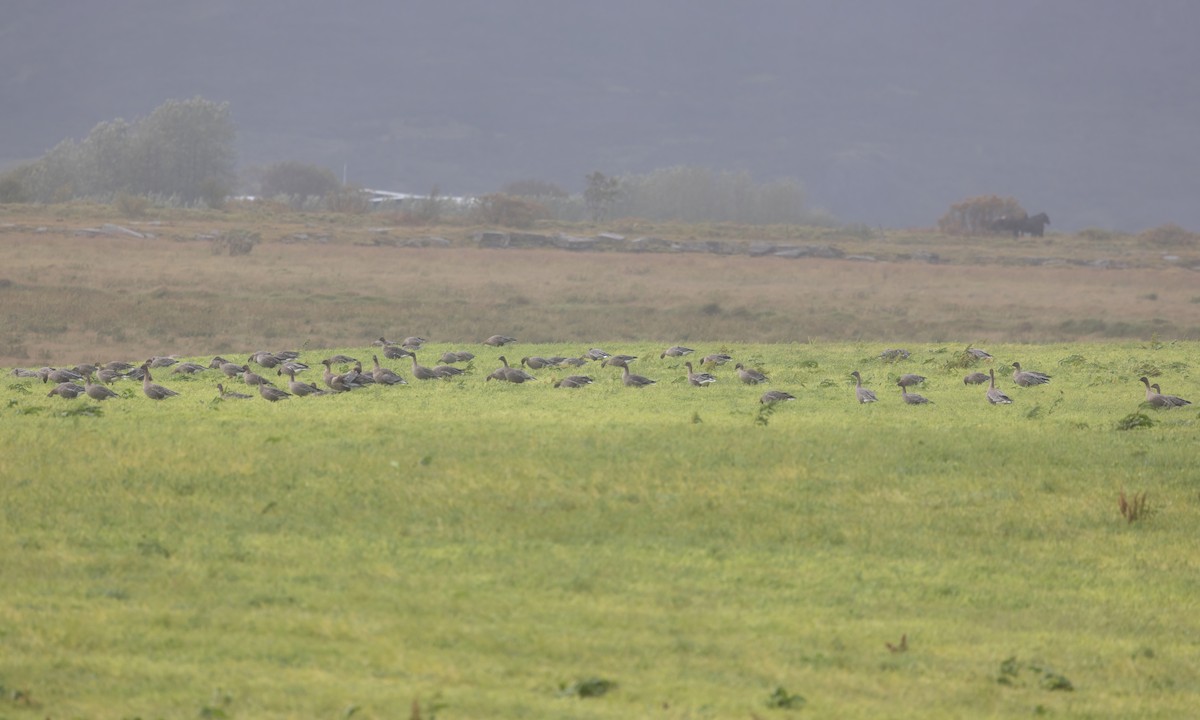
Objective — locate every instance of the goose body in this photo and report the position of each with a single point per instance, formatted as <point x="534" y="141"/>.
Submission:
<point x="699" y="379"/>
<point x="1028" y="378"/>
<point x="67" y="390"/>
<point x="421" y="372"/>
<point x="499" y="340"/>
<point x="384" y="376"/>
<point x="994" y="395"/>
<point x="632" y="380"/>
<point x="676" y="351"/>
<point x="1174" y="400"/>
<point x="774" y="396"/>
<point x="617" y="360"/>
<point x="273" y="394"/>
<point x="912" y="398"/>
<point x="151" y="390"/>
<point x="252" y="378"/>
<point x="333" y="381"/>
<point x="59" y="375"/>
<point x="749" y="375"/>
<point x="188" y="368"/>
<point x="910" y="379"/>
<point x="98" y="391"/>
<point x="574" y="381"/>
<point x="394" y="352"/>
<point x="978" y="354"/>
<point x="716" y="359"/>
<point x="975" y="378"/>
<point x="533" y="362"/>
<point x="596" y="354"/>
<point x="298" y="388"/>
<point x="862" y="394"/>
<point x="457" y="356"/>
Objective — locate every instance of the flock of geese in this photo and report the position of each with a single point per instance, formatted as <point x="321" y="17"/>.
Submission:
<point x="68" y="381"/>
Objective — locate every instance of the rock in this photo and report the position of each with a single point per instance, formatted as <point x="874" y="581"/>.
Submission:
<point x="649" y="244"/>
<point x="492" y="239"/>
<point x="568" y="242"/>
<point x="110" y="229"/>
<point x="758" y="249"/>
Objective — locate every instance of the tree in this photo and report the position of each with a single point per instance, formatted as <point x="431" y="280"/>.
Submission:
<point x="601" y="195"/>
<point x="978" y="215"/>
<point x="533" y="188"/>
<point x="298" y="180"/>
<point x="185" y="147"/>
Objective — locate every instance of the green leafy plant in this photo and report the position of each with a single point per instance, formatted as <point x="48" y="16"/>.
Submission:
<point x="780" y="698"/>
<point x="587" y="688"/>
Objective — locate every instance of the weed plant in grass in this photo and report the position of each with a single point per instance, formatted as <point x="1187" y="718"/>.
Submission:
<point x="483" y="547"/>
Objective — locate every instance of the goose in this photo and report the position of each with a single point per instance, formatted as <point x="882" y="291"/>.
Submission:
<point x="994" y="395"/>
<point x="25" y="373"/>
<point x="573" y="361"/>
<point x="252" y="378"/>
<point x="536" y="363"/>
<point x="231" y="395"/>
<point x="413" y="343"/>
<point x="514" y="375"/>
<point x="294" y="366"/>
<point x="676" y="351"/>
<point x="977" y="353"/>
<point x="716" y="359"/>
<point x="894" y="354"/>
<point x="909" y="379"/>
<point x="750" y="376"/>
<point x="774" y="396"/>
<point x="629" y="378"/>
<point x="421" y="372"/>
<point x="342" y="359"/>
<point x="1155" y="397"/>
<point x="385" y="376"/>
<point x="189" y="368"/>
<point x="162" y="361"/>
<point x="67" y="390"/>
<point x="86" y="369"/>
<point x="457" y="356"/>
<point x="265" y="359"/>
<point x="596" y="354"/>
<point x="152" y="391"/>
<point x="97" y="392"/>
<point x="357" y="377"/>
<point x="699" y="379"/>
<point x="337" y="383"/>
<point x="230" y="369"/>
<point x="447" y="371"/>
<point x="119" y="366"/>
<point x="395" y="352"/>
<point x="298" y="388"/>
<point x="574" y="381"/>
<point x="1175" y="400"/>
<point x="1027" y="378"/>
<point x="499" y="340"/>
<point x="863" y="394"/>
<point x="617" y="360"/>
<point x="273" y="394"/>
<point x="975" y="378"/>
<point x="59" y="375"/>
<point x="383" y="342"/>
<point x="912" y="398"/>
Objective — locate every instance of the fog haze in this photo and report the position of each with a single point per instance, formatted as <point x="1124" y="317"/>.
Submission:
<point x="887" y="112"/>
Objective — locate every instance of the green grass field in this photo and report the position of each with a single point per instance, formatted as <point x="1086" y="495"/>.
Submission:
<point x="488" y="550"/>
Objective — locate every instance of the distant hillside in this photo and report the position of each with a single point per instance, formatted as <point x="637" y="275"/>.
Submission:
<point x="887" y="112"/>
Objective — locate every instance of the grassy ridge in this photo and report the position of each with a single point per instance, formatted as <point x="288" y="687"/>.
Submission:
<point x="478" y="546"/>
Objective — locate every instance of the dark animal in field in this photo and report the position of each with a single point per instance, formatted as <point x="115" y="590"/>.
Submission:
<point x="1031" y="225"/>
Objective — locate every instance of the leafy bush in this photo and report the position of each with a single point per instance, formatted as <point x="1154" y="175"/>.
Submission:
<point x="1169" y="235"/>
<point x="235" y="242"/>
<point x="130" y="205"/>
<point x="977" y="215"/>
<point x="508" y="211"/>
<point x="300" y="180"/>
<point x="349" y="200"/>
<point x="12" y="189"/>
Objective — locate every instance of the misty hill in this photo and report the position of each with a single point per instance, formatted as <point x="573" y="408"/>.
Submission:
<point x="887" y="112"/>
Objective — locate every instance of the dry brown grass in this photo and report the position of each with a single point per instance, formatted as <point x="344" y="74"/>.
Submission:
<point x="65" y="299"/>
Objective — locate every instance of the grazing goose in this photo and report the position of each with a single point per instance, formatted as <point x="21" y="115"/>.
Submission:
<point x="676" y="351"/>
<point x="716" y="359"/>
<point x="413" y="342"/>
<point x="97" y="391"/>
<point x="894" y="354"/>
<point x="978" y="354"/>
<point x="629" y="378"/>
<point x="448" y="371"/>
<point x="231" y="395"/>
<point x="750" y="376"/>
<point x="343" y="359"/>
<point x="298" y="388"/>
<point x="118" y="366"/>
<point x="273" y="394"/>
<point x="573" y="361"/>
<point x="395" y="352"/>
<point x="534" y="362"/>
<point x="596" y="354"/>
<point x="162" y="361"/>
<point x="774" y="396"/>
<point x="1175" y="400"/>
<point x="912" y="398"/>
<point x="574" y="381"/>
<point x="25" y="373"/>
<point x="189" y="368"/>
<point x="975" y="378"/>
<point x="357" y="377"/>
<point x="699" y="379"/>
<point x="1027" y="378"/>
<point x="293" y="365"/>
<point x="457" y="356"/>
<point x="152" y="391"/>
<point x="334" y="382"/>
<point x="59" y="375"/>
<point x="383" y="342"/>
<point x="385" y="376"/>
<point x="67" y="390"/>
<point x="265" y="359"/>
<point x="994" y="395"/>
<point x="515" y="375"/>
<point x="230" y="369"/>
<point x="863" y="394"/>
<point x="107" y="376"/>
<point x="499" y="340"/>
<point x="86" y="369"/>
<point x="617" y="360"/>
<point x="910" y="379"/>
